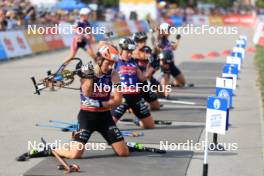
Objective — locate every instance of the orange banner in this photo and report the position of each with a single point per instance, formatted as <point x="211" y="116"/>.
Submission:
<point x="36" y="42"/>
<point x="215" y="20"/>
<point x="121" y="28"/>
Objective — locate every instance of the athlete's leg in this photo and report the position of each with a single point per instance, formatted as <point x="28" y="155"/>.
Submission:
<point x="73" y="151"/>
<point x="147" y="123"/>
<point x="119" y="111"/>
<point x="120" y="148"/>
<point x="164" y="81"/>
<point x="112" y="134"/>
<point x="73" y="50"/>
<point x="179" y="79"/>
<point x="154" y="105"/>
<point x="154" y="81"/>
<point x="150" y="96"/>
<point x="140" y="109"/>
<point x="76" y="148"/>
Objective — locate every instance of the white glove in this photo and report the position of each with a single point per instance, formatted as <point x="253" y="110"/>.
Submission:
<point x="92" y="103"/>
<point x="87" y="71"/>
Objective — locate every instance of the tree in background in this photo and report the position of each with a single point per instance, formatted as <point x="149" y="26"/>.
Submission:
<point x="260" y="3"/>
<point x="107" y="3"/>
<point x="222" y="3"/>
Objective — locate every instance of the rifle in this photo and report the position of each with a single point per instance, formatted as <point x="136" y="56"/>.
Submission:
<point x="62" y="78"/>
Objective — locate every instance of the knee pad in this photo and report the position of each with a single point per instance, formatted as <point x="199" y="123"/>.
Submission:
<point x="153" y="96"/>
<point x="142" y="108"/>
<point x="114" y="135"/>
<point x="82" y="136"/>
<point x="119" y="111"/>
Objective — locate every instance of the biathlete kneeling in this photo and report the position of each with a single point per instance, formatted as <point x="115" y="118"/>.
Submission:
<point x="131" y="81"/>
<point x="164" y="44"/>
<point x="96" y="104"/>
<point x="146" y="63"/>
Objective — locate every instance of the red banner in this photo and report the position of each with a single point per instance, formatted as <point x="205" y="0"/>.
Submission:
<point x="54" y="41"/>
<point x="246" y="21"/>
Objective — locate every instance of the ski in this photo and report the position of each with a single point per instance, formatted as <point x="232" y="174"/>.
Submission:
<point x="136" y="147"/>
<point x="156" y="122"/>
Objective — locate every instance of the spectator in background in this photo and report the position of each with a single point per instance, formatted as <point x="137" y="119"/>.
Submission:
<point x="109" y="15"/>
<point x="11" y="19"/>
<point x="3" y="21"/>
<point x="30" y="13"/>
<point x="133" y="15"/>
<point x="120" y="16"/>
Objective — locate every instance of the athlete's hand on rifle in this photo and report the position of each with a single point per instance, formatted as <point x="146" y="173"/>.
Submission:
<point x="87" y="71"/>
<point x="92" y="103"/>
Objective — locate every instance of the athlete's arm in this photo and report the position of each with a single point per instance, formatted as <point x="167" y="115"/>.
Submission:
<point x="176" y="43"/>
<point x="150" y="71"/>
<point x="140" y="75"/>
<point x="116" y="95"/>
<point x="87" y="86"/>
<point x="156" y="48"/>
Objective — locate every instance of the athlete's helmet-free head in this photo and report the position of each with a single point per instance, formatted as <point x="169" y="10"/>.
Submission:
<point x="127" y="44"/>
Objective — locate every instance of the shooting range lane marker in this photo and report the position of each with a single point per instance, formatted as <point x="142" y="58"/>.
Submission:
<point x="172" y="123"/>
<point x="173" y="106"/>
<point x="176" y="102"/>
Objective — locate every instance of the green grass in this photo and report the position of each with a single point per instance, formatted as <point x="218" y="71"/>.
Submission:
<point x="259" y="59"/>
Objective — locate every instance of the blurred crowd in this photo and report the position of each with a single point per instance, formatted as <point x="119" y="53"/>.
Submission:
<point x="19" y="13"/>
<point x="171" y="9"/>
